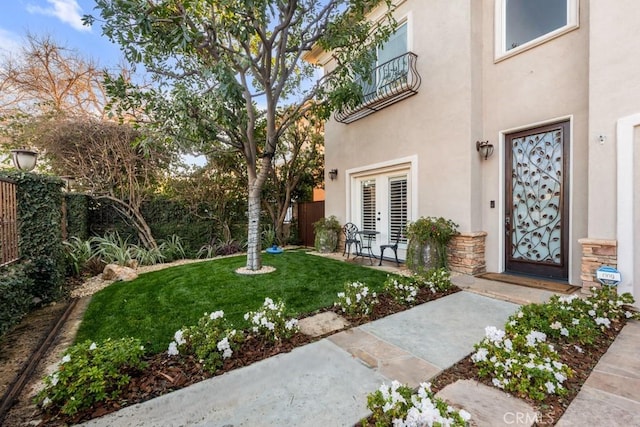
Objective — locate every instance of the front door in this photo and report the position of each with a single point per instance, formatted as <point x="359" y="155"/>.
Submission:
<point x="537" y="201"/>
<point x="382" y="205"/>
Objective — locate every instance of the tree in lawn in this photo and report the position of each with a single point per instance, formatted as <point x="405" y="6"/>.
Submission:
<point x="245" y="53"/>
<point x="298" y="168"/>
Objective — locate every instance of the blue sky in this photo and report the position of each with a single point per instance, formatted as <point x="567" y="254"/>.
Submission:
<point x="60" y="19"/>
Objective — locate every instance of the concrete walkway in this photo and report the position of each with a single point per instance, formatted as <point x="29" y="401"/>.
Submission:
<point x="326" y="383"/>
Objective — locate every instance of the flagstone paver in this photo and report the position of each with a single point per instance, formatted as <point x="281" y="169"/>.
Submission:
<point x="611" y="394"/>
<point x="488" y="406"/>
<point x="322" y="323"/>
<point x="443" y="331"/>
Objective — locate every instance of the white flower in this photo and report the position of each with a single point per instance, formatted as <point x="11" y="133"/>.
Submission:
<point x="179" y="338"/>
<point x="534" y="337"/>
<point x="480" y="355"/>
<point x="291" y="324"/>
<point x="564" y="331"/>
<point x="54" y="379"/>
<point x="575" y="322"/>
<point x="551" y="388"/>
<point x="93" y="346"/>
<point x="559" y="377"/>
<point x="628" y="314"/>
<point x="497" y="383"/>
<point x="66" y="358"/>
<point x="592" y="313"/>
<point x="555" y="325"/>
<point x="464" y="415"/>
<point x="578" y="348"/>
<point x="246" y="316"/>
<point x="46" y="402"/>
<point x="494" y="334"/>
<point x="216" y="315"/>
<point x="603" y="321"/>
<point x="508" y="345"/>
<point x="173" y="349"/>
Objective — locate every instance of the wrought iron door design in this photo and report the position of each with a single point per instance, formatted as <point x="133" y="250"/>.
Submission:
<point x="536" y="216"/>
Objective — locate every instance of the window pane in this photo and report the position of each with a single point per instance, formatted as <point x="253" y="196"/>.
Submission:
<point x="368" y="205"/>
<point x="395" y="46"/>
<point x="527" y="20"/>
<point x="397" y="208"/>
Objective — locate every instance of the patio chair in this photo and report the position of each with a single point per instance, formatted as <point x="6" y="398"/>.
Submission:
<point x="393" y="247"/>
<point x="350" y="238"/>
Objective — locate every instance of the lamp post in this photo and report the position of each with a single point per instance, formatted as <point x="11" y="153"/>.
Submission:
<point x="24" y="160"/>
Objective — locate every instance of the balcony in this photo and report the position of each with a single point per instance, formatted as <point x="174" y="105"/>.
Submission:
<point x="390" y="82"/>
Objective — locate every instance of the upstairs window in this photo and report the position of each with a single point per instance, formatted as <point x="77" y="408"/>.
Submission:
<point x="387" y="68"/>
<point x="522" y="24"/>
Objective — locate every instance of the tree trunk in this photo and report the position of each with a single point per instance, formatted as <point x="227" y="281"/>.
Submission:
<point x="254" y="260"/>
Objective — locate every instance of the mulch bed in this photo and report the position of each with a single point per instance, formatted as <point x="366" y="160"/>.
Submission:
<point x="165" y="374"/>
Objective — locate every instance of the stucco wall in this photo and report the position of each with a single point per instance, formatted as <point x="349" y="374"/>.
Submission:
<point x="538" y="85"/>
<point x="435" y="124"/>
<point x="614" y="92"/>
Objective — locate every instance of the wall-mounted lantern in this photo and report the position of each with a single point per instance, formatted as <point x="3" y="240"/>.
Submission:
<point x="333" y="174"/>
<point x="484" y="148"/>
<point x="24" y="160"/>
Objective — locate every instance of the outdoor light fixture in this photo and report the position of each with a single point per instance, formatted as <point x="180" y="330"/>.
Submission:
<point x="24" y="160"/>
<point x="333" y="174"/>
<point x="68" y="182"/>
<point x="484" y="148"/>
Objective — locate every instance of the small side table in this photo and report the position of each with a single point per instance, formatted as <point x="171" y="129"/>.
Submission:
<point x="367" y="237"/>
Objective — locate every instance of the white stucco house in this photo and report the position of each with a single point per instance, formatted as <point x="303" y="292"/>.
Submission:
<point x="548" y="90"/>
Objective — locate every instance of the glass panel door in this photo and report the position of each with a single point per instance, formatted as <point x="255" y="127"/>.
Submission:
<point x="536" y="216"/>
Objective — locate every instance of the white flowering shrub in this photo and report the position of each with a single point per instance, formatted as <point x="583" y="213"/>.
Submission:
<point x="356" y="299"/>
<point x="523" y="364"/>
<point x="396" y="405"/>
<point x="89" y="373"/>
<point x="271" y="321"/>
<point x="401" y="289"/>
<point x="212" y="340"/>
<point x="435" y="279"/>
<point x="571" y="318"/>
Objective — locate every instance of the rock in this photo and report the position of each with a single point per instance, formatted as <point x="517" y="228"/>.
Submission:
<point x="132" y="263"/>
<point x="322" y="323"/>
<point x="119" y="272"/>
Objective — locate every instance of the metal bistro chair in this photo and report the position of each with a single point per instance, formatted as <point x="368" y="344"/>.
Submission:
<point x="350" y="238"/>
<point x="393" y="247"/>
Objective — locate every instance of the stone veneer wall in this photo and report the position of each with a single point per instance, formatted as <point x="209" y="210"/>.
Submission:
<point x="465" y="253"/>
<point x="595" y="254"/>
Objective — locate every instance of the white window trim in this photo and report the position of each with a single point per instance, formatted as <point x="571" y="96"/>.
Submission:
<point x="406" y="163"/>
<point x="573" y="22"/>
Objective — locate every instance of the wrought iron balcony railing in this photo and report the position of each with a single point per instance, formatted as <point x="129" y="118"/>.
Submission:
<point x="390" y="82"/>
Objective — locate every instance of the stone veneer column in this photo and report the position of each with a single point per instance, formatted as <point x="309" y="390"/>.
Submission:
<point x="595" y="254"/>
<point x="465" y="253"/>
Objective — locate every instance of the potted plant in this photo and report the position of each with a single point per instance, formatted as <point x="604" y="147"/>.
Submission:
<point x="327" y="231"/>
<point x="428" y="238"/>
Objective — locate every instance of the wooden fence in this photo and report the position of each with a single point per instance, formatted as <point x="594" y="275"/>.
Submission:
<point x="308" y="213"/>
<point x="8" y="222"/>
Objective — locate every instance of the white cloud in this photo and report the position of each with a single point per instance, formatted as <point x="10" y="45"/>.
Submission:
<point x="9" y="42"/>
<point x="68" y="11"/>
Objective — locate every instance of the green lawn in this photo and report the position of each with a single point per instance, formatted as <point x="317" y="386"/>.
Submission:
<point x="157" y="304"/>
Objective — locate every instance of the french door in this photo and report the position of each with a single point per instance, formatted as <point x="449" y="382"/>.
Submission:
<point x="537" y="201"/>
<point x="381" y="204"/>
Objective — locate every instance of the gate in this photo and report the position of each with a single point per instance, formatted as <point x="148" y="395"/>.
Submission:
<point x="8" y="222"/>
<point x="308" y="213"/>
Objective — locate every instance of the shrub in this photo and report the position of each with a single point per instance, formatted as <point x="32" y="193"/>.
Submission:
<point x="429" y="230"/>
<point x="396" y="405"/>
<point x="90" y="373"/>
<point x="172" y="248"/>
<point x="15" y="298"/>
<point x="436" y="279"/>
<point x="212" y="340"/>
<point x="356" y="300"/>
<point x="523" y="364"/>
<point x="271" y="321"/>
<point x="77" y="254"/>
<point x="401" y="289"/>
<point x="112" y="249"/>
